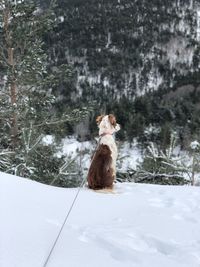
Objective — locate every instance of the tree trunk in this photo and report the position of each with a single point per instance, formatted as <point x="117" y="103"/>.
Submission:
<point x="13" y="96"/>
<point x="13" y="86"/>
<point x="193" y="171"/>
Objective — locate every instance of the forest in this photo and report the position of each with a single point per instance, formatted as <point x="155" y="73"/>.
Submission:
<point x="62" y="63"/>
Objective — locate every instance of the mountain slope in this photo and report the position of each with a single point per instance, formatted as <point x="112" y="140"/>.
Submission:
<point x="139" y="226"/>
<point x="125" y="48"/>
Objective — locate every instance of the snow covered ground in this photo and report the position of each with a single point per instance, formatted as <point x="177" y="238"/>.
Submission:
<point x="137" y="226"/>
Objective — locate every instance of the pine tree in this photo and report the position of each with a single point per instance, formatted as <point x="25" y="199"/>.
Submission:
<point x="26" y="100"/>
<point x="195" y="164"/>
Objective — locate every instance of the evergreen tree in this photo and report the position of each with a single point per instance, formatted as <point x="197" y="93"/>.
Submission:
<point x="27" y="105"/>
<point x="195" y="164"/>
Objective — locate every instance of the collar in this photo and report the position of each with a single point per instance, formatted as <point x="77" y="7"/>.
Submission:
<point x="103" y="134"/>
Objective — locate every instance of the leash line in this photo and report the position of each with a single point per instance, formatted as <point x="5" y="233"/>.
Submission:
<point x="67" y="216"/>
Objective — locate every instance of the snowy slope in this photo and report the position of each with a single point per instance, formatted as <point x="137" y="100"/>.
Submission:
<point x="139" y="226"/>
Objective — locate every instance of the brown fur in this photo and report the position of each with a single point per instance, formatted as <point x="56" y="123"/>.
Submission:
<point x="100" y="173"/>
<point x="99" y="119"/>
<point x="112" y="119"/>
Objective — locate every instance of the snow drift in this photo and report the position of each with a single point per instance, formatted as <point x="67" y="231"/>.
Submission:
<point x="137" y="226"/>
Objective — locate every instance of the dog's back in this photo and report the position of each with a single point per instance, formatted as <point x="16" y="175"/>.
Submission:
<point x="100" y="173"/>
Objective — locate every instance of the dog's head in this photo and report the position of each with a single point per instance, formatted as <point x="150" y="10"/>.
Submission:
<point x="111" y="118"/>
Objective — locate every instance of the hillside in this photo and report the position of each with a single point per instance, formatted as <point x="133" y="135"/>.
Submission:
<point x="137" y="226"/>
<point x="136" y="59"/>
<point x="121" y="50"/>
<point x="125" y="48"/>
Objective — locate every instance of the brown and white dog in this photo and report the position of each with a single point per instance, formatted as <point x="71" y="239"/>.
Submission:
<point x="102" y="170"/>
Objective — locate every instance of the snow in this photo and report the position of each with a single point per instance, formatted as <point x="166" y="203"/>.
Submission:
<point x="70" y="146"/>
<point x="155" y="80"/>
<point x="61" y="19"/>
<point x="191" y="4"/>
<point x="137" y="226"/>
<point x="94" y="79"/>
<point x="198" y="24"/>
<point x="128" y="155"/>
<point x="195" y="145"/>
<point x="106" y="82"/>
<point x="109" y="40"/>
<point x="48" y="139"/>
<point x="178" y="51"/>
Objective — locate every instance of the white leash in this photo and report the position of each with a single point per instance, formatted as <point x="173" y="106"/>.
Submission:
<point x="55" y="242"/>
<point x="67" y="216"/>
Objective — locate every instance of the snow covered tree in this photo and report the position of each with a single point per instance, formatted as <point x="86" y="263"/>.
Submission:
<point x="23" y="66"/>
<point x="5" y="160"/>
<point x="26" y="100"/>
<point x="160" y="167"/>
<point x="195" y="164"/>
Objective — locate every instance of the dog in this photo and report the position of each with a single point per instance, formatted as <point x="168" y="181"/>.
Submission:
<point x="102" y="170"/>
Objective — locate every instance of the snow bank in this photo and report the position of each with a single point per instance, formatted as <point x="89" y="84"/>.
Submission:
<point x="137" y="226"/>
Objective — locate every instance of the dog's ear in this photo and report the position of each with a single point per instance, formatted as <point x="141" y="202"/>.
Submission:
<point x="99" y="119"/>
<point x="112" y="119"/>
